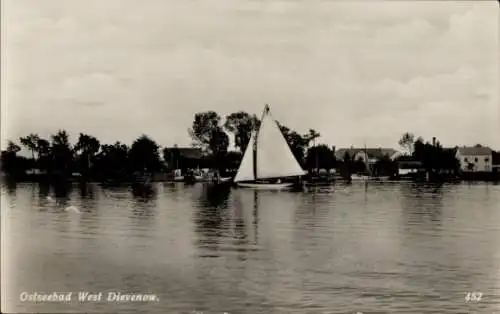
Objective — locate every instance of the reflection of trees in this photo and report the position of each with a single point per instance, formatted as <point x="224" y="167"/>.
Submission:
<point x="216" y="196"/>
<point x="239" y="222"/>
<point x="62" y="190"/>
<point x="43" y="190"/>
<point x="239" y="234"/>
<point x="144" y="207"/>
<point x="144" y="202"/>
<point x="43" y="193"/>
<point x="145" y="192"/>
<point x="86" y="190"/>
<point x="143" y="212"/>
<point x="422" y="202"/>
<point x="11" y="187"/>
<point x="244" y="201"/>
<point x="208" y="217"/>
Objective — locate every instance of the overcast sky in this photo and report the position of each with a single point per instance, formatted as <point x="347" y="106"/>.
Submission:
<point x="355" y="72"/>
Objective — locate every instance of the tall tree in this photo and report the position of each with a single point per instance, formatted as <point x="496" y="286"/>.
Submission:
<point x="207" y="133"/>
<point x="419" y="149"/>
<point x="10" y="162"/>
<point x="30" y="142"/>
<point x="62" y="152"/>
<point x="219" y="142"/>
<point x="320" y="156"/>
<point x="384" y="166"/>
<point x="347" y="165"/>
<point x="112" y="161"/>
<point x="144" y="154"/>
<point x="44" y="154"/>
<point x="407" y="142"/>
<point x="311" y="137"/>
<point x="202" y="128"/>
<point x="435" y="158"/>
<point x="241" y="124"/>
<point x="13" y="147"/>
<point x="298" y="143"/>
<point x="86" y="147"/>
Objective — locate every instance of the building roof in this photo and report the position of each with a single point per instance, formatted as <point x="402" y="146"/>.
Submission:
<point x="475" y="151"/>
<point x="188" y="152"/>
<point x="371" y="152"/>
<point x="409" y="164"/>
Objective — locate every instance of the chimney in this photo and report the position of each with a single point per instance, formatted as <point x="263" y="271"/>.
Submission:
<point x="333" y="149"/>
<point x="434" y="141"/>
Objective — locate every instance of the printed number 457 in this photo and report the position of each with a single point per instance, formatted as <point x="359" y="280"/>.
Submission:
<point x="473" y="296"/>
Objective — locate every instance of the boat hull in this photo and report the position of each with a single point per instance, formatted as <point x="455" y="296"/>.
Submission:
<point x="359" y="178"/>
<point x="266" y="186"/>
<point x="368" y="178"/>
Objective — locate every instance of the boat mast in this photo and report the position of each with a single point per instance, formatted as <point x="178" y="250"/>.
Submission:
<point x="255" y="156"/>
<point x="266" y="111"/>
<point x="367" y="161"/>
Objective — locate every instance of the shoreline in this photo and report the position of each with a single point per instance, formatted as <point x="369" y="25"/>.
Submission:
<point x="312" y="182"/>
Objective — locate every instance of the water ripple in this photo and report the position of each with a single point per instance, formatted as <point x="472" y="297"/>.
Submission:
<point x="370" y="248"/>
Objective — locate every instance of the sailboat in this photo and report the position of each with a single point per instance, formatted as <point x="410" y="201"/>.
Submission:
<point x="267" y="158"/>
<point x="364" y="177"/>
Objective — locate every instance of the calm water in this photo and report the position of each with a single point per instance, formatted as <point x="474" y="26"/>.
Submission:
<point x="377" y="248"/>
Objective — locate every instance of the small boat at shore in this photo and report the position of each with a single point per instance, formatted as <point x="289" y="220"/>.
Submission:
<point x="266" y="186"/>
<point x="268" y="161"/>
<point x="358" y="177"/>
<point x="178" y="179"/>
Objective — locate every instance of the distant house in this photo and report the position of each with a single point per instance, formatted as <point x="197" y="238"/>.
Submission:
<point x="371" y="156"/>
<point x="475" y="159"/>
<point x="408" y="168"/>
<point x="34" y="171"/>
<point x="183" y="158"/>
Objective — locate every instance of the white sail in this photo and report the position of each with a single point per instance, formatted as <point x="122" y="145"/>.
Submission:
<point x="274" y="156"/>
<point x="245" y="171"/>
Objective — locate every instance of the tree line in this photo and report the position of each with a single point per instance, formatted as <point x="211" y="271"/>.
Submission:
<point x="209" y="132"/>
<point x="59" y="157"/>
<point x="433" y="157"/>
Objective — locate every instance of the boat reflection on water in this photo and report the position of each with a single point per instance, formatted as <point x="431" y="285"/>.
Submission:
<point x="246" y="201"/>
<point x="216" y="195"/>
<point x="209" y="221"/>
<point x="144" y="191"/>
<point x="255" y="214"/>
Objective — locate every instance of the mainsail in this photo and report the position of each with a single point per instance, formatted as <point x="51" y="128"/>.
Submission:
<point x="274" y="156"/>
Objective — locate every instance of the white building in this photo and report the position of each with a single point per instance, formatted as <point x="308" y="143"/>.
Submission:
<point x="475" y="159"/>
